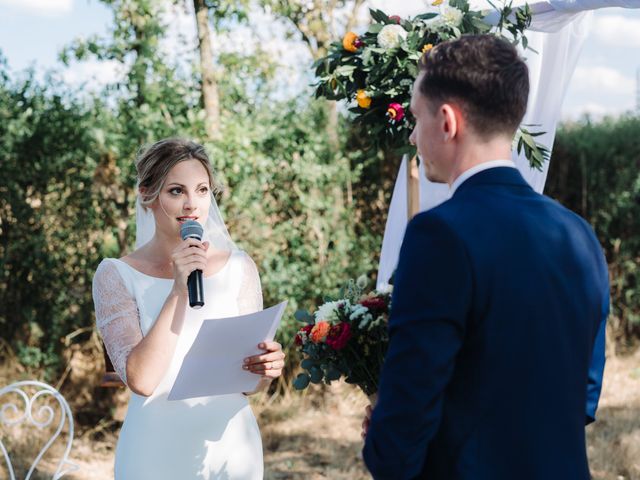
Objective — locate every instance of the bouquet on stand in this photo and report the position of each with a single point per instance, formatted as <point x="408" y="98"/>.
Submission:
<point x="345" y="338"/>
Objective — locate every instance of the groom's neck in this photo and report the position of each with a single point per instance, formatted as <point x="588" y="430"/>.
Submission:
<point x="475" y="152"/>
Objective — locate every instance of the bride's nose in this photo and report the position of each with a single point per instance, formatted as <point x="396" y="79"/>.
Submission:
<point x="188" y="204"/>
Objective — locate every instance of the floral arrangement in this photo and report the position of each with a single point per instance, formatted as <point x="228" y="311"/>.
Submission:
<point x="376" y="70"/>
<point x="345" y="338"/>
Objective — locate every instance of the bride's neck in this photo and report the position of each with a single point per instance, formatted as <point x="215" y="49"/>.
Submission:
<point x="161" y="246"/>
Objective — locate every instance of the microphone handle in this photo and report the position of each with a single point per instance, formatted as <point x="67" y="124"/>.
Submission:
<point x="196" y="289"/>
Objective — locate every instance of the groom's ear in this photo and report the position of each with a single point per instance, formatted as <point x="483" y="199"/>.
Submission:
<point x="451" y="120"/>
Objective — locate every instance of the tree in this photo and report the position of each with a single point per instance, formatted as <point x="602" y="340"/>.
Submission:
<point x="210" y="96"/>
<point x="151" y="102"/>
<point x="218" y="13"/>
<point x="319" y="23"/>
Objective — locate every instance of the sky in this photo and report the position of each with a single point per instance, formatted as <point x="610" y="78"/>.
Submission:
<point x="33" y="32"/>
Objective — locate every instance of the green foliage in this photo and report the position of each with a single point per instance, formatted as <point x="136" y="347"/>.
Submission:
<point x="69" y="197"/>
<point x="596" y="172"/>
<point x="378" y="69"/>
<point x="47" y="235"/>
<point x="286" y="203"/>
<point x="309" y="211"/>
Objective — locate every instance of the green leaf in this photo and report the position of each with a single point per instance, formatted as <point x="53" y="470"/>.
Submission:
<point x="333" y="374"/>
<point x="301" y="381"/>
<point x="304" y="316"/>
<point x="378" y="16"/>
<point x="426" y="16"/>
<point x="307" y="364"/>
<point x="346" y="70"/>
<point x="316" y="374"/>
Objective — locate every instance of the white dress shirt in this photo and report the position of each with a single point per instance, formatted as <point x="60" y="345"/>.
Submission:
<point x="477" y="169"/>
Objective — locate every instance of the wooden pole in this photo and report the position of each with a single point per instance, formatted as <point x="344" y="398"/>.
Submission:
<point x="413" y="188"/>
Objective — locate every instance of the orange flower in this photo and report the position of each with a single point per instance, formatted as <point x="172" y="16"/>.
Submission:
<point x="320" y="332"/>
<point x="351" y="42"/>
<point x="427" y="47"/>
<point x="363" y="100"/>
<point x="437" y="3"/>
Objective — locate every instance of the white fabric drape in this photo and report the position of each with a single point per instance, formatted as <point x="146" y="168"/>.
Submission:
<point x="557" y="33"/>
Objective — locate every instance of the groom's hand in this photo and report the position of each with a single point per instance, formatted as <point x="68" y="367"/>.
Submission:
<point x="365" y="422"/>
<point x="268" y="364"/>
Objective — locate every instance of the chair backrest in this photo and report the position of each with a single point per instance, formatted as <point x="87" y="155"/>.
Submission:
<point x="11" y="414"/>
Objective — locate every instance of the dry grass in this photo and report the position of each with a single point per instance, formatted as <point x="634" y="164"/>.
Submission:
<point x="317" y="436"/>
<point x="313" y="436"/>
<point x="614" y="440"/>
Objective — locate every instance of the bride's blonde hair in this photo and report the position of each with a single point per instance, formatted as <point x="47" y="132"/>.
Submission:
<point x="154" y="163"/>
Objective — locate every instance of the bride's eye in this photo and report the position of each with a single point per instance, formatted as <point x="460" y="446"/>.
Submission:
<point x="204" y="190"/>
<point x="175" y="191"/>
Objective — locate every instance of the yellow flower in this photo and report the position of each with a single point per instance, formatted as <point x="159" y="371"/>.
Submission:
<point x="427" y="47"/>
<point x="437" y="3"/>
<point x="363" y="100"/>
<point x="350" y="42"/>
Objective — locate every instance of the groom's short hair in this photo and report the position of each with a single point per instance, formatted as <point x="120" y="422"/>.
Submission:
<point x="484" y="75"/>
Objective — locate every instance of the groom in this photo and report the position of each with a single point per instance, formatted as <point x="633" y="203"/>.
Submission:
<point x="500" y="300"/>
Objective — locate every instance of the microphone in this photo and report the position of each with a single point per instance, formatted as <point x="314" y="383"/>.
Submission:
<point x="192" y="229"/>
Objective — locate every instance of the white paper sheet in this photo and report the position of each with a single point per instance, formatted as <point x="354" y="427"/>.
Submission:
<point x="213" y="364"/>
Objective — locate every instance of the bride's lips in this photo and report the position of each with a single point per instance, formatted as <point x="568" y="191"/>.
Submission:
<point x="185" y="218"/>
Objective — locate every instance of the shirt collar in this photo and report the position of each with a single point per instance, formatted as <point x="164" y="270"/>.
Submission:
<point x="477" y="169"/>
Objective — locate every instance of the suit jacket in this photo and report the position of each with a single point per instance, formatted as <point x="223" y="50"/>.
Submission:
<point x="496" y="340"/>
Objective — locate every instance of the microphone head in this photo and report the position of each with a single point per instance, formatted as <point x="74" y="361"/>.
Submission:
<point x="191" y="229"/>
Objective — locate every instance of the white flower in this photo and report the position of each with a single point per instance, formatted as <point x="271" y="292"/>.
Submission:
<point x="452" y="16"/>
<point x="391" y="36"/>
<point x="362" y="281"/>
<point x="327" y="312"/>
<point x="358" y="311"/>
<point x="448" y="17"/>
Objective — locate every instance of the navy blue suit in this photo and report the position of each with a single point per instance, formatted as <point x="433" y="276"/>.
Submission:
<point x="496" y="340"/>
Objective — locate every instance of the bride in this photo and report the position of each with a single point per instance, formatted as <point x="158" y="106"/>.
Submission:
<point x="143" y="316"/>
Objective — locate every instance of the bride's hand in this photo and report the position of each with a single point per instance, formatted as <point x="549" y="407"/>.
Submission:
<point x="190" y="255"/>
<point x="268" y="364"/>
<point x="366" y="421"/>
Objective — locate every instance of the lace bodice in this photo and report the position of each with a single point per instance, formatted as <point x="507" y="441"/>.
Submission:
<point x="118" y="313"/>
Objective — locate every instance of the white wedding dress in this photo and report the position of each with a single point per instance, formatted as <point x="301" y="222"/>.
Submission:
<point x="214" y="437"/>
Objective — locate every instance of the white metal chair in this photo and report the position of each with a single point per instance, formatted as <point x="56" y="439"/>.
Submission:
<point x="11" y="414"/>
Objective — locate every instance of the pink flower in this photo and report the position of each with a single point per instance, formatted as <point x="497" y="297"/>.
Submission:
<point x="339" y="335"/>
<point x="395" y="18"/>
<point x="395" y="112"/>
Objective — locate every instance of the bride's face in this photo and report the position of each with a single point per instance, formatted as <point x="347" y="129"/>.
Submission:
<point x="185" y="195"/>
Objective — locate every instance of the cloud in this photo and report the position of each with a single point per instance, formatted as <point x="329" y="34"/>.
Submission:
<point x="93" y="74"/>
<point x="618" y="31"/>
<point x="603" y="80"/>
<point x="40" y="7"/>
<point x="594" y="109"/>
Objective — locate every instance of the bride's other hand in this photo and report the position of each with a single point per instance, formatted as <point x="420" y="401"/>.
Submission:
<point x="365" y="422"/>
<point x="190" y="255"/>
<point x="268" y="364"/>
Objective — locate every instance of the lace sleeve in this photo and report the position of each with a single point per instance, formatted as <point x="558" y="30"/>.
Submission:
<point x="250" y="295"/>
<point x="117" y="316"/>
